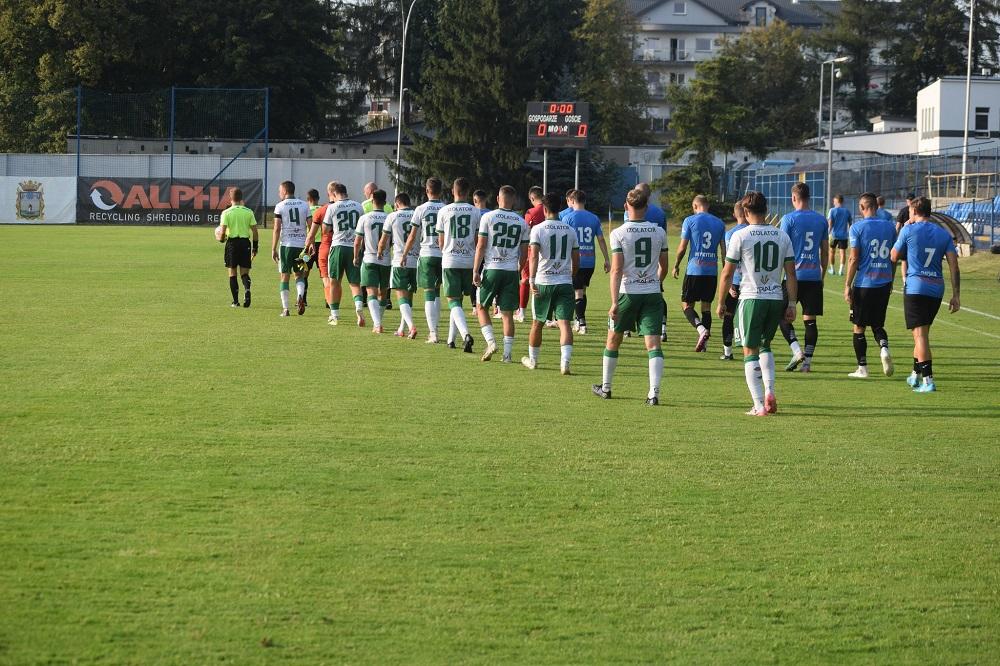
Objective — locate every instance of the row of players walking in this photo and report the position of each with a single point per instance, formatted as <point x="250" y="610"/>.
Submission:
<point x="490" y="255"/>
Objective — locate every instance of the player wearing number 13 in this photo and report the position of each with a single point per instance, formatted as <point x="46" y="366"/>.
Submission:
<point x="291" y="222"/>
<point x="458" y="225"/>
<point x="638" y="266"/>
<point x="869" y="282"/>
<point x="760" y="252"/>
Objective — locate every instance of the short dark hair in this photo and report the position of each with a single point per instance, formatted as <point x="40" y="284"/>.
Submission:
<point x="462" y="185"/>
<point x="288" y="186"/>
<point x="403" y="198"/>
<point x="313" y="194"/>
<point x="535" y="192"/>
<point x="868" y="201"/>
<point x="881" y="200"/>
<point x="552" y="203"/>
<point x="508" y="190"/>
<point x="801" y="190"/>
<point x="754" y="202"/>
<point x="481" y="195"/>
<point x="433" y="185"/>
<point x="235" y="194"/>
<point x="838" y="197"/>
<point x="579" y="196"/>
<point x="637" y="198"/>
<point x="378" y="199"/>
<point x="921" y="206"/>
<point x="339" y="189"/>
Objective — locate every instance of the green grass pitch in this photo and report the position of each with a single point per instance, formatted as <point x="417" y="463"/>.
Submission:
<point x="186" y="483"/>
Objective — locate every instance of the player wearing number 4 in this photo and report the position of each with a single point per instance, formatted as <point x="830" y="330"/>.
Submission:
<point x="869" y="282"/>
<point x="922" y="244"/>
<point x="458" y="224"/>
<point x="554" y="257"/>
<point x="638" y="266"/>
<point x="503" y="239"/>
<point x="760" y="252"/>
<point x="706" y="232"/>
<point x="340" y="221"/>
<point x="375" y="269"/>
<point x="291" y="222"/>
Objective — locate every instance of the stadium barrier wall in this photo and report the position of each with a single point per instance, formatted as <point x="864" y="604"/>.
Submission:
<point x="40" y="200"/>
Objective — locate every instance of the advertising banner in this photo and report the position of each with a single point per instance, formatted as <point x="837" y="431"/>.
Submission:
<point x="156" y="201"/>
<point x="37" y="200"/>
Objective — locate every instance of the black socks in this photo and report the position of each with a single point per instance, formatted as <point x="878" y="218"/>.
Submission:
<point x="234" y="287"/>
<point x="861" y="348"/>
<point x="812" y="335"/>
<point x="788" y="331"/>
<point x="691" y="317"/>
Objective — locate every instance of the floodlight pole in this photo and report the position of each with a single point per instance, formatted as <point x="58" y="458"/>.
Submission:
<point x="819" y="111"/>
<point x="545" y="170"/>
<point x="829" y="148"/>
<point x="968" y="97"/>
<point x="576" y="172"/>
<point x="402" y="65"/>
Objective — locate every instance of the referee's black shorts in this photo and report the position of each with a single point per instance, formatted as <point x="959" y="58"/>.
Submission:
<point x="868" y="305"/>
<point x="237" y="254"/>
<point x="920" y="310"/>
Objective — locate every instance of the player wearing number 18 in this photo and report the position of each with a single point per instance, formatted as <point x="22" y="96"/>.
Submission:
<point x="869" y="282"/>
<point x="553" y="261"/>
<point x="638" y="266"/>
<point x="760" y="252"/>
<point x="375" y="268"/>
<point x="458" y="225"/>
<point x="923" y="244"/>
<point x="291" y="222"/>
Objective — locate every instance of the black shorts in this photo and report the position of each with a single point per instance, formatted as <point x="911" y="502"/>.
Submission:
<point x="868" y="305"/>
<point x="919" y="310"/>
<point x="313" y="259"/>
<point x="732" y="302"/>
<point x="810" y="296"/>
<point x="237" y="254"/>
<point x="699" y="288"/>
<point x="582" y="278"/>
<point x="838" y="243"/>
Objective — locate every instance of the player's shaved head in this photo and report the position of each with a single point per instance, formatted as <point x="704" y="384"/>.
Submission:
<point x="754" y="203"/>
<point x="552" y="203"/>
<point x="579" y="196"/>
<point x="921" y="206"/>
<point x="535" y="194"/>
<point x="868" y="202"/>
<point x="369" y="188"/>
<point x="480" y="197"/>
<point x="700" y="202"/>
<point x="507" y="197"/>
<point x="434" y="187"/>
<point x="644" y="187"/>
<point x="339" y="189"/>
<point x="403" y="199"/>
<point x="637" y="199"/>
<point x="312" y="195"/>
<point x="461" y="187"/>
<point x="236" y="195"/>
<point x="288" y="187"/>
<point x="331" y="187"/>
<point x="378" y="198"/>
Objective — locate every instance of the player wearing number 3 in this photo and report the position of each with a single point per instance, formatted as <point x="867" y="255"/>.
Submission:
<point x="869" y="282"/>
<point x="706" y="234"/>
<point x="760" y="252"/>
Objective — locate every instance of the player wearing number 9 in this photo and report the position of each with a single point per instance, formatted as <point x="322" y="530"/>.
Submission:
<point x="869" y="282"/>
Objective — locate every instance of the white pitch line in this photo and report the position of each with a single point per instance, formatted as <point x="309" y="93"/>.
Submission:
<point x="964" y="309"/>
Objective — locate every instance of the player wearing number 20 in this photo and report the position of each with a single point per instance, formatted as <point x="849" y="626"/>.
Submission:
<point x="342" y="220"/>
<point x="869" y="282"/>
<point x="553" y="262"/>
<point x="761" y="253"/>
<point x="375" y="269"/>
<point x="291" y="222"/>
<point x="458" y="227"/>
<point x="638" y="266"/>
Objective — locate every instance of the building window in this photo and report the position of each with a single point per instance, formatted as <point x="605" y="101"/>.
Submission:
<point x="983" y="120"/>
<point x="680" y="8"/>
<point x="677" y="77"/>
<point x="702" y="44"/>
<point x="760" y="16"/>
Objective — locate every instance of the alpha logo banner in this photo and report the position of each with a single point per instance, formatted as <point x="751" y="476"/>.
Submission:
<point x="157" y="201"/>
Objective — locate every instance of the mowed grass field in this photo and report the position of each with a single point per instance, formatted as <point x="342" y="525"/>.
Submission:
<point x="185" y="483"/>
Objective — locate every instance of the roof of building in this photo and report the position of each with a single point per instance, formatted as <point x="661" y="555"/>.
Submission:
<point x="803" y="12"/>
<point x="388" y="135"/>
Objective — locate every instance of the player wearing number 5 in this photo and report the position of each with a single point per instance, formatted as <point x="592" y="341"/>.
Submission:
<point x="342" y="220"/>
<point x="760" y="252"/>
<point x="458" y="226"/>
<point x="638" y="266"/>
<point x="291" y="222"/>
<point x="706" y="235"/>
<point x="922" y="245"/>
<point x="869" y="282"/>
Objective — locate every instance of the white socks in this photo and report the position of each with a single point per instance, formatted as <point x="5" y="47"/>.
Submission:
<point x="565" y="354"/>
<point x="655" y="375"/>
<point x="458" y="319"/>
<point x="406" y="312"/>
<point x="796" y="348"/>
<point x="767" y="370"/>
<point x="375" y="308"/>
<point x="533" y="353"/>
<point x="300" y="288"/>
<point x="610" y="363"/>
<point x="752" y="370"/>
<point x="488" y="334"/>
<point x="728" y="351"/>
<point x="508" y="345"/>
<point x="284" y="299"/>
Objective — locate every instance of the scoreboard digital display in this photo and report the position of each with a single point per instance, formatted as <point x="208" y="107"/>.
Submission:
<point x="558" y="124"/>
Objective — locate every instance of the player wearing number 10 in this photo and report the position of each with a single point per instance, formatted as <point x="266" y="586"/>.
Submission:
<point x="375" y="270"/>
<point x="638" y="266"/>
<point x="458" y="224"/>
<point x="342" y="219"/>
<point x="869" y="282"/>
<point x="291" y="222"/>
<point x="760" y="252"/>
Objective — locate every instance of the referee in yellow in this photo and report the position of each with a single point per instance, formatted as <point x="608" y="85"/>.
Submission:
<point x="239" y="223"/>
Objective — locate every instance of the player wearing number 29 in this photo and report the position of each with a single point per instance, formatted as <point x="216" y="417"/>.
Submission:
<point x="375" y="268"/>
<point x="922" y="245"/>
<point x="458" y="226"/>
<point x="638" y="266"/>
<point x="760" y="252"/>
<point x="342" y="219"/>
<point x="869" y="282"/>
<point x="705" y="234"/>
<point x="808" y="231"/>
<point x="291" y="222"/>
<point x="552" y="263"/>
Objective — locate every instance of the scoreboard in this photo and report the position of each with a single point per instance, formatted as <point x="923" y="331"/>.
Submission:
<point x="558" y="124"/>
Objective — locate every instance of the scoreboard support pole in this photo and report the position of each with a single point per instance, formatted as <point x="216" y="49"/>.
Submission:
<point x="576" y="172"/>
<point x="545" y="171"/>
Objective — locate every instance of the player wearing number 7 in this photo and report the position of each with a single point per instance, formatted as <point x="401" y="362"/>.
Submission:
<point x="760" y="252"/>
<point x="869" y="282"/>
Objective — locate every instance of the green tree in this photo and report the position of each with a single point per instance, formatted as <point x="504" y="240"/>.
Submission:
<point x="933" y="47"/>
<point x="610" y="79"/>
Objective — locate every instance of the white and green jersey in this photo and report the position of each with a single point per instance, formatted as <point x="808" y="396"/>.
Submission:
<point x="640" y="243"/>
<point x="760" y="252"/>
<point x="426" y="216"/>
<point x="457" y="223"/>
<point x="295" y="221"/>
<point x="506" y="233"/>
<point x="370" y="228"/>
<point x="555" y="241"/>
<point x="342" y="217"/>
<point x="398" y="225"/>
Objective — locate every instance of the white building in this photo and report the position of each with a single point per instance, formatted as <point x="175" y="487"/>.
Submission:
<point x="941" y="106"/>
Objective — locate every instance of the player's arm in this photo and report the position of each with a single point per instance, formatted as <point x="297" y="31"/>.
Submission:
<point x="725" y="284"/>
<point x="853" y="257"/>
<point x="410" y="240"/>
<point x="824" y="257"/>
<point x="383" y="242"/>
<point x="722" y="249"/>
<point x="617" y="265"/>
<point x="575" y="258"/>
<point x="275" y="236"/>
<point x="477" y="261"/>
<point x="604" y="251"/>
<point x="956" y="282"/>
<point x="792" y="286"/>
<point x="681" y="250"/>
<point x="359" y="243"/>
<point x="256" y="240"/>
<point x="533" y="250"/>
<point x="440" y="237"/>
